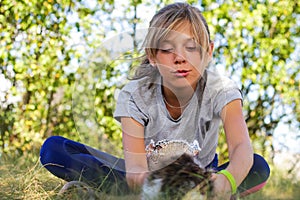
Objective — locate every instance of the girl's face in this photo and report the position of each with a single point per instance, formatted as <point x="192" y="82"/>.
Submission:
<point x="180" y="59"/>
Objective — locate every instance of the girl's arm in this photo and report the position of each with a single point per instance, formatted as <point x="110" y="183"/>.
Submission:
<point x="134" y="152"/>
<point x="239" y="146"/>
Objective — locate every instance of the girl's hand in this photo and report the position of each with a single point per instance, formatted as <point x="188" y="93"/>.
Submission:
<point x="135" y="180"/>
<point x="221" y="187"/>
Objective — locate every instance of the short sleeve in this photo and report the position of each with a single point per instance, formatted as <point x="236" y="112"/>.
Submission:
<point x="225" y="97"/>
<point x="127" y="107"/>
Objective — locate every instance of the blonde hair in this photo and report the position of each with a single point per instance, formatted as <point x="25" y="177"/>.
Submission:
<point x="165" y="20"/>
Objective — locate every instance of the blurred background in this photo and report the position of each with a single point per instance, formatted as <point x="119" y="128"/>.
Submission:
<point x="62" y="63"/>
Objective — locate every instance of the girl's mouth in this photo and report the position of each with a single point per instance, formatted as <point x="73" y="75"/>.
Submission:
<point x="181" y="73"/>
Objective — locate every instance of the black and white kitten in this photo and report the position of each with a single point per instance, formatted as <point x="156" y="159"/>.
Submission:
<point x="175" y="172"/>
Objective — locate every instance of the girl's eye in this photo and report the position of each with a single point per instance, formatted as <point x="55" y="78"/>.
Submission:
<point x="192" y="48"/>
<point x="167" y="50"/>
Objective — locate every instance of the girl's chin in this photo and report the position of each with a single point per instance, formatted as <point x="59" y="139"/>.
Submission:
<point x="180" y="85"/>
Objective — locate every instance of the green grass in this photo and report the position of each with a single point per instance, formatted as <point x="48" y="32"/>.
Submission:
<point x="25" y="178"/>
<point x="281" y="185"/>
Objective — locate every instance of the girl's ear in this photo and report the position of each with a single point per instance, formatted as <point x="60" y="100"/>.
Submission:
<point x="211" y="49"/>
<point x="151" y="60"/>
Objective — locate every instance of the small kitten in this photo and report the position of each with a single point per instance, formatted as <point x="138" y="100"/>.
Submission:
<point x="180" y="177"/>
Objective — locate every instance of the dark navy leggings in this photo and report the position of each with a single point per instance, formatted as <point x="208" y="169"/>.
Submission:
<point x="71" y="160"/>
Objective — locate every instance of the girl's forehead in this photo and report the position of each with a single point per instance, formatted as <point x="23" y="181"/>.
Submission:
<point x="179" y="34"/>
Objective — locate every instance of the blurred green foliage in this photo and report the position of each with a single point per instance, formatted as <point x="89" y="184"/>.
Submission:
<point x="57" y="77"/>
<point x="260" y="44"/>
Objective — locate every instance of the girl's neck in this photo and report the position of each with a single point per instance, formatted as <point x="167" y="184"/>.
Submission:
<point x="177" y="98"/>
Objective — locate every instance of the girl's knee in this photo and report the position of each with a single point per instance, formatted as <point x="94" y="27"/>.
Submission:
<point x="257" y="177"/>
<point x="261" y="166"/>
<point x="50" y="147"/>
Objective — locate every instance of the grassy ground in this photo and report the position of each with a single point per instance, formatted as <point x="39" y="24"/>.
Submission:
<point x="25" y="178"/>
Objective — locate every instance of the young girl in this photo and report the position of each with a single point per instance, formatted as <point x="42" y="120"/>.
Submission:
<point x="173" y="96"/>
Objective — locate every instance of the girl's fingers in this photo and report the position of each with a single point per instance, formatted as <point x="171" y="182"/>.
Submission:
<point x="213" y="177"/>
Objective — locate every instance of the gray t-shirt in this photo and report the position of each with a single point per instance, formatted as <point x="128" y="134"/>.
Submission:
<point x="142" y="100"/>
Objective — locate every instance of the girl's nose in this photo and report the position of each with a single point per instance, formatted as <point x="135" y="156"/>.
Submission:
<point x="179" y="58"/>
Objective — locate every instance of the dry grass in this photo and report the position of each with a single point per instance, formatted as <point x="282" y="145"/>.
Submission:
<point x="25" y="178"/>
<point x="20" y="180"/>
